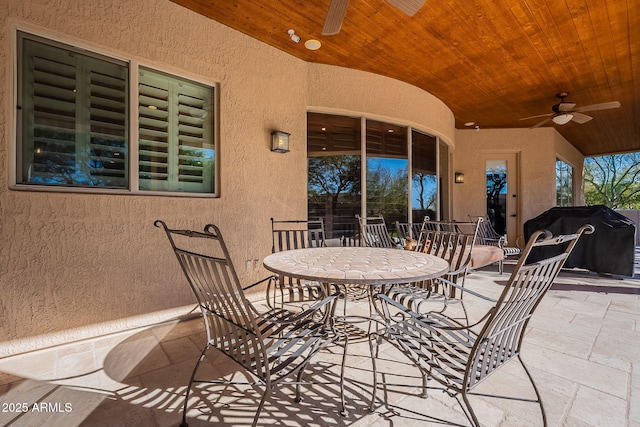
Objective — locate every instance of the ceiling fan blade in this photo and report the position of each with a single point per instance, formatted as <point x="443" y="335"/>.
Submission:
<point x="409" y="7"/>
<point x="538" y="116"/>
<point x="566" y="106"/>
<point x="335" y="16"/>
<point x="537" y="125"/>
<point x="603" y="106"/>
<point x="580" y="118"/>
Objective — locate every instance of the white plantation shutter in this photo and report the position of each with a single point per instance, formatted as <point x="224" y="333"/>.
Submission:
<point x="176" y="150"/>
<point x="74" y="127"/>
<point x="108" y="120"/>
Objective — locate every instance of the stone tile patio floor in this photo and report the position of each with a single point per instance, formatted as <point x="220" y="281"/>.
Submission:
<point x="582" y="346"/>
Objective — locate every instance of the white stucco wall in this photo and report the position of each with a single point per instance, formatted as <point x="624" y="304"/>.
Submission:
<point x="537" y="150"/>
<point x="75" y="265"/>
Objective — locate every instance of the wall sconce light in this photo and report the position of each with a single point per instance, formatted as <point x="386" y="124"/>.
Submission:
<point x="280" y="141"/>
<point x="459" y="178"/>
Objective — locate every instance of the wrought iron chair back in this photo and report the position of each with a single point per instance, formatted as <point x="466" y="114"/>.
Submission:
<point x="271" y="345"/>
<point x="453" y="246"/>
<point x="455" y="354"/>
<point x="409" y="230"/>
<point x="487" y="235"/>
<point x="289" y="235"/>
<point x="374" y="232"/>
<point x="297" y="234"/>
<point x="470" y="228"/>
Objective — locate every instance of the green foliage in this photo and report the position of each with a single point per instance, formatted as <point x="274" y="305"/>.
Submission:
<point x="334" y="175"/>
<point x="387" y="191"/>
<point x="613" y="181"/>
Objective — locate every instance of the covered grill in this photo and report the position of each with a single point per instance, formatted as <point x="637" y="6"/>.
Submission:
<point x="609" y="250"/>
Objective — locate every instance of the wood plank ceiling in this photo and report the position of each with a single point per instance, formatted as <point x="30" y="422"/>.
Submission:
<point x="491" y="61"/>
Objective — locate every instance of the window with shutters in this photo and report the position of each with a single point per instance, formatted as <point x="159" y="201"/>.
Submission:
<point x="175" y="148"/>
<point x="75" y="119"/>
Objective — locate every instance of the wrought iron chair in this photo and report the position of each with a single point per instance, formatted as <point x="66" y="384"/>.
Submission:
<point x="273" y="345"/>
<point x="469" y="228"/>
<point x="374" y="232"/>
<point x="436" y="294"/>
<point x="460" y="356"/>
<point x="487" y="235"/>
<point x="287" y="235"/>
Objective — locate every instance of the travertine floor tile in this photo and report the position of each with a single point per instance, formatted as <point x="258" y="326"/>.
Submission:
<point x="581" y="348"/>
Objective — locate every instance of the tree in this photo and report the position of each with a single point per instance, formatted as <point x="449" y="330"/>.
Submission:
<point x="334" y="180"/>
<point x="387" y="192"/>
<point x="613" y="181"/>
<point x="334" y="175"/>
<point x="425" y="185"/>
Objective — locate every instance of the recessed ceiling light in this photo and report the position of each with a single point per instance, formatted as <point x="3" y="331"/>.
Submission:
<point x="470" y="123"/>
<point x="312" y="44"/>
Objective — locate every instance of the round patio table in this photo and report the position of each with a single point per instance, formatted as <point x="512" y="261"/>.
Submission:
<point x="356" y="265"/>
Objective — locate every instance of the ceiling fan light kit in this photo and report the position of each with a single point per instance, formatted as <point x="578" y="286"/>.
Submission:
<point x="564" y="112"/>
<point x="562" y="119"/>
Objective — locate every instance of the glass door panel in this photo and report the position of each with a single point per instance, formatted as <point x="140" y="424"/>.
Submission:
<point x="334" y="173"/>
<point x="387" y="172"/>
<point x="501" y="194"/>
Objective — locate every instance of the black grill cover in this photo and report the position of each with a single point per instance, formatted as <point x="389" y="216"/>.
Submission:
<point x="609" y="250"/>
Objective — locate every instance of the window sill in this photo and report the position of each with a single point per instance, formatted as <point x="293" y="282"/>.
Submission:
<point x="107" y="191"/>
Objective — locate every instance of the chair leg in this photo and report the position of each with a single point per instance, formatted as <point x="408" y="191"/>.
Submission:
<point x="472" y="416"/>
<point x="186" y="396"/>
<point x="343" y="406"/>
<point x="535" y="388"/>
<point x="256" y="417"/>
<point x="468" y="410"/>
<point x="373" y="348"/>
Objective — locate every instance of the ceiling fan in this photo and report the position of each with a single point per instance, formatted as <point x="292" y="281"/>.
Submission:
<point x="564" y="112"/>
<point x="338" y="9"/>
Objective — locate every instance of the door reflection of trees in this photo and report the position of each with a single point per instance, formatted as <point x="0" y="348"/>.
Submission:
<point x="496" y="197"/>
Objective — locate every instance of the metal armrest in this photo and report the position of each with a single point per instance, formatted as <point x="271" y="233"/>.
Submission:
<point x="461" y="270"/>
<point x="432" y="319"/>
<point x="309" y="312"/>
<point x="259" y="282"/>
<point x="463" y="289"/>
<point x="387" y="300"/>
<point x="490" y="241"/>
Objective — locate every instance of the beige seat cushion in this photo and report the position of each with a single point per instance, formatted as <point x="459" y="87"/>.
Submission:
<point x="483" y="255"/>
